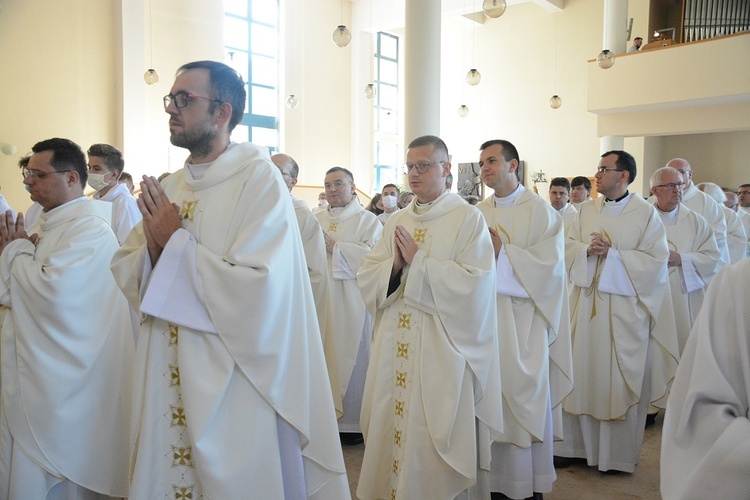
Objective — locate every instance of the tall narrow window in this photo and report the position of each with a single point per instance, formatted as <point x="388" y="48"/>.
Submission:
<point x="387" y="137"/>
<point x="251" y="43"/>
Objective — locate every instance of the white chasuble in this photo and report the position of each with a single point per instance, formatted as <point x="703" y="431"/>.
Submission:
<point x="231" y="373"/>
<point x="736" y="235"/>
<point x="432" y="401"/>
<point x="705" y="447"/>
<point x="125" y="211"/>
<point x="698" y="201"/>
<point x="67" y="355"/>
<point x="356" y="231"/>
<point x="534" y="332"/>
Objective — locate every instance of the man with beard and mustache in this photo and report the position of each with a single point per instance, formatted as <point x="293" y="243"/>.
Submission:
<point x="232" y="395"/>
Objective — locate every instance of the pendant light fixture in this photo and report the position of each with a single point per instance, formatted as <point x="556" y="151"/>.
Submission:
<point x="473" y="77"/>
<point x="370" y="89"/>
<point x="292" y="101"/>
<point x="555" y="102"/>
<point x="605" y="59"/>
<point x="341" y="35"/>
<point x="493" y="8"/>
<point x="463" y="110"/>
<point x="151" y="77"/>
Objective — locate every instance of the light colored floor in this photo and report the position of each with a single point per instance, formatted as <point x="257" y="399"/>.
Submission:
<point x="578" y="481"/>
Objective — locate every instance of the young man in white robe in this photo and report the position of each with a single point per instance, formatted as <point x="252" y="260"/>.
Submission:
<point x="616" y="254"/>
<point x="232" y="395"/>
<point x="432" y="403"/>
<point x="693" y="253"/>
<point x="559" y="197"/>
<point x="350" y="232"/>
<point x="698" y="201"/>
<point x="389" y="199"/>
<point x="67" y="346"/>
<point x="705" y="444"/>
<point x="533" y="324"/>
<point x="105" y="166"/>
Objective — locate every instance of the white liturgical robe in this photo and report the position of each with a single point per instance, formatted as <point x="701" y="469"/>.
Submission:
<point x="232" y="395"/>
<point x="67" y="354"/>
<point x="705" y="447"/>
<point x="125" y="212"/>
<point x="347" y="341"/>
<point x="432" y="401"/>
<point x="698" y="201"/>
<point x="534" y="335"/>
<point x="568" y="213"/>
<point x="615" y="303"/>
<point x="736" y="236"/>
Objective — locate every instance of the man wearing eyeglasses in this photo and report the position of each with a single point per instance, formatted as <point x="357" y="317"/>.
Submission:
<point x="533" y="323"/>
<point x="232" y="390"/>
<point x="349" y="232"/>
<point x="67" y="347"/>
<point x="693" y="252"/>
<point x="733" y="202"/>
<point x="697" y="201"/>
<point x="616" y="253"/>
<point x="432" y="398"/>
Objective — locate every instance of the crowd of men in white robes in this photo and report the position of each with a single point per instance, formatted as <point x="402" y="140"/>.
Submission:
<point x="216" y="338"/>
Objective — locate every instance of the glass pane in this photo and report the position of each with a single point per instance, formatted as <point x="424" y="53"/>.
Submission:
<point x="238" y="7"/>
<point x="388" y="72"/>
<point x="264" y="101"/>
<point x="265" y="11"/>
<point x="388" y="121"/>
<point x="388" y="46"/>
<point x="388" y="96"/>
<point x="239" y="134"/>
<point x="264" y="40"/>
<point x="247" y="98"/>
<point x="265" y="71"/>
<point x="388" y="154"/>
<point x="239" y="62"/>
<point x="388" y="176"/>
<point x="235" y="33"/>
<point x="265" y="137"/>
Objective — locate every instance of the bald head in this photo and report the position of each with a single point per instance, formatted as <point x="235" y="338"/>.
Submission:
<point x="682" y="166"/>
<point x="714" y="191"/>
<point x="288" y="168"/>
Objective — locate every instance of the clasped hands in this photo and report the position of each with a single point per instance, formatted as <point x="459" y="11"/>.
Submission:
<point x="598" y="246"/>
<point x="161" y="218"/>
<point x="404" y="249"/>
<point x="11" y="230"/>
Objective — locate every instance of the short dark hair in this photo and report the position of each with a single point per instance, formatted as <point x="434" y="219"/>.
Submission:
<point x="226" y="85"/>
<point x="637" y="38"/>
<point x="66" y="155"/>
<point x="398" y="191"/>
<point x="430" y="140"/>
<point x="111" y="155"/>
<point x="581" y="181"/>
<point x="625" y="161"/>
<point x="560" y="182"/>
<point x="124" y="176"/>
<point x="509" y="150"/>
<point x="743" y="186"/>
<point x="341" y="169"/>
<point x="23" y="162"/>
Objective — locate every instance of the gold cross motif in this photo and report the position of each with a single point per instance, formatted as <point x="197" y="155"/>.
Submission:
<point x="333" y="226"/>
<point x="182" y="456"/>
<point x="173" y="331"/>
<point x="178" y="415"/>
<point x="393" y="494"/>
<point x="404" y="320"/>
<point x="419" y="234"/>
<point x="182" y="493"/>
<point x="397" y="438"/>
<point x="400" y="408"/>
<point x="187" y="212"/>
<point x="174" y="375"/>
<point x="400" y="379"/>
<point x="402" y="350"/>
<point x="394" y="467"/>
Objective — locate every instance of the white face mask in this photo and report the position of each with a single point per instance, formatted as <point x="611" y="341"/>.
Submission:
<point x="389" y="201"/>
<point x="97" y="182"/>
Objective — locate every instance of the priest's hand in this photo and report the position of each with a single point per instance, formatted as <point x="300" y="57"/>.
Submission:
<point x="598" y="246"/>
<point x="11" y="230"/>
<point x="161" y="218"/>
<point x="404" y="245"/>
<point x="497" y="243"/>
<point x="330" y="242"/>
<point x="674" y="259"/>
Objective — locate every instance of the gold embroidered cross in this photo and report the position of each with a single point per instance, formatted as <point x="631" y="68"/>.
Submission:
<point x="402" y="350"/>
<point x="397" y="438"/>
<point x="182" y="456"/>
<point x="404" y="320"/>
<point x="178" y="415"/>
<point x="400" y="408"/>
<point x="187" y="212"/>
<point x="333" y="226"/>
<point x="174" y="375"/>
<point x="394" y="467"/>
<point x="400" y="379"/>
<point x="419" y="235"/>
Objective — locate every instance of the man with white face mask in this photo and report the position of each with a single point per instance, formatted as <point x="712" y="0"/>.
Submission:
<point x="105" y="166"/>
<point x="390" y="202"/>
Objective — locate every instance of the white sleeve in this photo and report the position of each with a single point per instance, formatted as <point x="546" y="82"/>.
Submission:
<point x="173" y="292"/>
<point x="582" y="270"/>
<point x="614" y="278"/>
<point x="691" y="280"/>
<point x="506" y="281"/>
<point x="340" y="268"/>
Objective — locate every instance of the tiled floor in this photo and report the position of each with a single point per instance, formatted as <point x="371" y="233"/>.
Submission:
<point x="578" y="481"/>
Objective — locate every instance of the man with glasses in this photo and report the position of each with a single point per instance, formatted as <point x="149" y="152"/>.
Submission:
<point x="432" y="399"/>
<point x="697" y="201"/>
<point x="68" y="348"/>
<point x="349" y="232"/>
<point x="693" y="252"/>
<point x="533" y="324"/>
<point x="616" y="253"/>
<point x="733" y="203"/>
<point x="743" y="193"/>
<point x="232" y="389"/>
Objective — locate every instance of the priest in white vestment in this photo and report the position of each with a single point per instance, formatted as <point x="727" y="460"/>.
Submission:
<point x="580" y="191"/>
<point x="105" y="166"/>
<point x="232" y="395"/>
<point x="432" y="402"/>
<point x="350" y="232"/>
<point x="693" y="253"/>
<point x="533" y="323"/>
<point x="732" y="203"/>
<point x="616" y="255"/>
<point x="698" y="201"/>
<point x="736" y="237"/>
<point x="559" y="198"/>
<point x="743" y="197"/>
<point x="705" y="446"/>
<point x="65" y="341"/>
